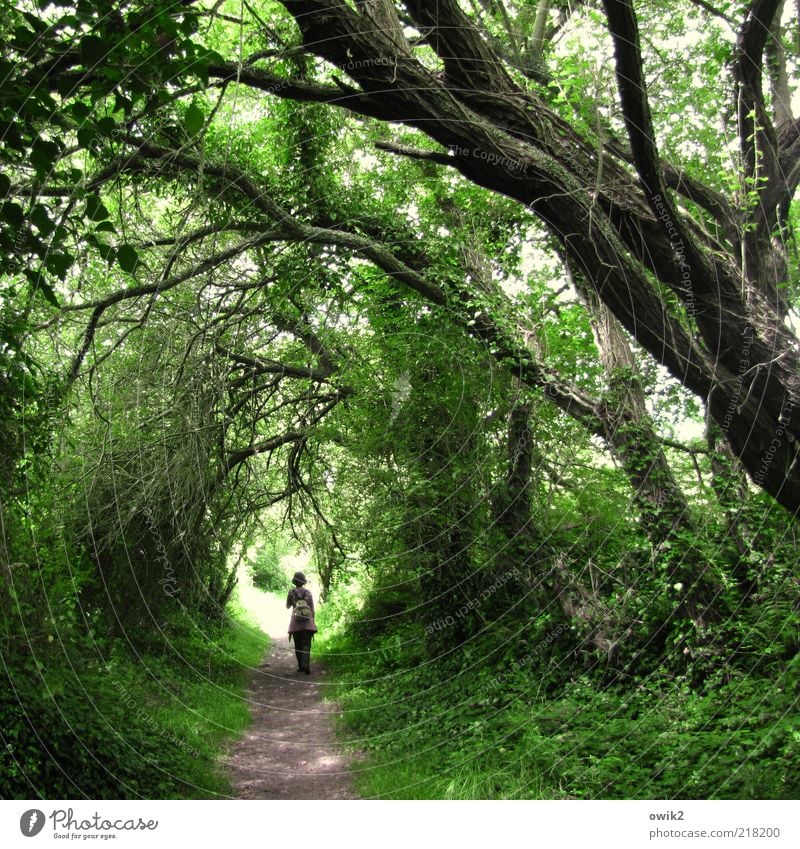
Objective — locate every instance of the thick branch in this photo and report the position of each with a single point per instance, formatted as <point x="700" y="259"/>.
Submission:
<point x="778" y="77"/>
<point x="712" y="10"/>
<point x="98" y="307"/>
<point x="235" y="458"/>
<point x="469" y="61"/>
<point x="253" y="367"/>
<point x="756" y="133"/>
<point x="638" y="121"/>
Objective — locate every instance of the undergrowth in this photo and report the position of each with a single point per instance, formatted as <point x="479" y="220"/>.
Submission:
<point x="496" y="719"/>
<point x="142" y="717"/>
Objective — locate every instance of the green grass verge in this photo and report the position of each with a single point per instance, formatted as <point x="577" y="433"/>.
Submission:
<point x="114" y="720"/>
<point x="475" y="726"/>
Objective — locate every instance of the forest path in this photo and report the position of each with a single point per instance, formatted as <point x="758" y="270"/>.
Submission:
<point x="289" y="749"/>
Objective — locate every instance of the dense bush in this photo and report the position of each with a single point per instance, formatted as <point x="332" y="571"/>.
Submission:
<point x="504" y="717"/>
<point x="266" y="569"/>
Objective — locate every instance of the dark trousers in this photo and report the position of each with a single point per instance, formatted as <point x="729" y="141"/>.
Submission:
<point x="302" y="649"/>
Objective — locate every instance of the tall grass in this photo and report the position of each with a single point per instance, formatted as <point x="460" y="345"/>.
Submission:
<point x="146" y="717"/>
<point x="459" y="729"/>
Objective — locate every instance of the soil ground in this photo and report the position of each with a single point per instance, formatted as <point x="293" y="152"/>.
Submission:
<point x="289" y="751"/>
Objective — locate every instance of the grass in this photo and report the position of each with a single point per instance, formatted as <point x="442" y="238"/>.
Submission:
<point x="211" y="709"/>
<point x="451" y="731"/>
<point x="148" y="718"/>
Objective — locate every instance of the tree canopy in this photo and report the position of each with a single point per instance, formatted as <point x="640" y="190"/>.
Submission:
<point x="457" y="290"/>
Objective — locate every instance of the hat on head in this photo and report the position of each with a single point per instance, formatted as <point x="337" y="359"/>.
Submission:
<point x="299" y="578"/>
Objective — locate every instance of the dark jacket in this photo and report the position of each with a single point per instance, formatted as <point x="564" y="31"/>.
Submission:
<point x="296" y="624"/>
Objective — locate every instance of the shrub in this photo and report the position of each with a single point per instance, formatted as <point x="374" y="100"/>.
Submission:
<point x="266" y="569"/>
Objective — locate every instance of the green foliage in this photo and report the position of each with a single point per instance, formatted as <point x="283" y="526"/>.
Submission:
<point x="82" y="715"/>
<point x="266" y="569"/>
<point x="213" y="304"/>
<point x="506" y="719"/>
<point x="74" y="75"/>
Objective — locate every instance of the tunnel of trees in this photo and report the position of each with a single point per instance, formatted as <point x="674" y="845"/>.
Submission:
<point x="492" y="304"/>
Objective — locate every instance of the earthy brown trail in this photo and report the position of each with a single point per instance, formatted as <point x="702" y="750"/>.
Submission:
<point x="289" y="750"/>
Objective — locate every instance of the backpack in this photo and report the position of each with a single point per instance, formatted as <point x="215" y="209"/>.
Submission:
<point x="301" y="609"/>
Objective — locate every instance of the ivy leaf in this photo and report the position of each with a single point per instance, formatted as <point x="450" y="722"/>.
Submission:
<point x="95" y="209"/>
<point x="194" y="119"/>
<point x="59" y="263"/>
<point x="9" y="133"/>
<point x="106" y="126"/>
<point x="80" y="111"/>
<point x="108" y="252"/>
<point x="93" y="50"/>
<point x="39" y="284"/>
<point x="44" y="155"/>
<point x="12" y="214"/>
<point x="128" y="258"/>
<point x="47" y="290"/>
<point x="41" y="218"/>
<point x="86" y="135"/>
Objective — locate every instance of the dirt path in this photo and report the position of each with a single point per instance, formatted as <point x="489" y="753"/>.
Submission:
<point x="289" y="750"/>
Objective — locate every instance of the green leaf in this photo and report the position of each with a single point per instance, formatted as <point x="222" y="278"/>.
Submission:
<point x="122" y="104"/>
<point x="9" y="133"/>
<point x="44" y="155"/>
<point x="41" y="218"/>
<point x="38" y="24"/>
<point x="127" y="258"/>
<point x="23" y="38"/>
<point x="106" y="126"/>
<point x="93" y="50"/>
<point x="106" y="251"/>
<point x="12" y="213"/>
<point x="39" y="284"/>
<point x="211" y="57"/>
<point x="80" y="111"/>
<point x="95" y="209"/>
<point x="47" y="290"/>
<point x="194" y="119"/>
<point x="59" y="263"/>
<point x="86" y="135"/>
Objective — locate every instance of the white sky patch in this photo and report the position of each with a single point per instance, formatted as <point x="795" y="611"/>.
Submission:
<point x="689" y="430"/>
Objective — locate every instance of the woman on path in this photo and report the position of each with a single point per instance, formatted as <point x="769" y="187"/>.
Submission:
<point x="301" y="625"/>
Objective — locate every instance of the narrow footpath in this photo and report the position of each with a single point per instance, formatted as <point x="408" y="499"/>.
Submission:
<point x="289" y="750"/>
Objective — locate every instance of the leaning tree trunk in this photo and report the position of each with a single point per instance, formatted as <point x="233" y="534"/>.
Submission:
<point x="666" y="515"/>
<point x="730" y="487"/>
<point x="629" y="427"/>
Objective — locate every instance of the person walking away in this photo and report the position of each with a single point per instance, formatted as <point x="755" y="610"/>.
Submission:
<point x="301" y="625"/>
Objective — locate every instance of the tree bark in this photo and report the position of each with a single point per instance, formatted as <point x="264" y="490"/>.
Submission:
<point x="629" y="428"/>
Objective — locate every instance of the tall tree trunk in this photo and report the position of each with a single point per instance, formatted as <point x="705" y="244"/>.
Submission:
<point x="630" y="430"/>
<point x="636" y="444"/>
<point x="730" y="487"/>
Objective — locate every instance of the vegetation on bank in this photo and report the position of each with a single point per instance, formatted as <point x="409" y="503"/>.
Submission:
<point x="509" y="342"/>
<point x="507" y="715"/>
<point x="142" y="717"/>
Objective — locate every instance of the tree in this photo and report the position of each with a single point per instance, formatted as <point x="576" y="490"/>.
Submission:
<point x="469" y="163"/>
<point x="695" y="273"/>
<point x="660" y="247"/>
